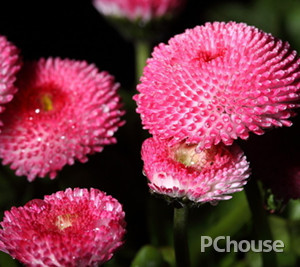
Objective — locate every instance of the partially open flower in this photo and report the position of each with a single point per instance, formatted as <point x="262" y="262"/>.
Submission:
<point x="64" y="110"/>
<point x="185" y="174"/>
<point x="77" y="227"/>
<point x="9" y="66"/>
<point x="140" y="19"/>
<point x="218" y="82"/>
<point x="138" y="9"/>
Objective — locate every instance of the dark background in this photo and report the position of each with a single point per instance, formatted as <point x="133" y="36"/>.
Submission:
<point x="75" y="30"/>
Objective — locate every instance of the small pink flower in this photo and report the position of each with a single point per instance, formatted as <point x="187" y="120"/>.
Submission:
<point x="71" y="228"/>
<point x="180" y="172"/>
<point x="218" y="82"/>
<point x="138" y="9"/>
<point x="64" y="110"/>
<point x="9" y="66"/>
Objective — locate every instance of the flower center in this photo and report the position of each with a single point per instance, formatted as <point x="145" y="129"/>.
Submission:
<point x="207" y="56"/>
<point x="46" y="102"/>
<point x="187" y="155"/>
<point x="64" y="221"/>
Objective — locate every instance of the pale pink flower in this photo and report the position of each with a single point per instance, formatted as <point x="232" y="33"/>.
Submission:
<point x="180" y="172"/>
<point x="217" y="82"/>
<point x="144" y="10"/>
<point x="10" y="63"/>
<point x="77" y="227"/>
<point x="64" y="110"/>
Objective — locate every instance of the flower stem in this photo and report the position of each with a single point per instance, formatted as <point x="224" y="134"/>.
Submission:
<point x="180" y="237"/>
<point x="142" y="52"/>
<point x="260" y="220"/>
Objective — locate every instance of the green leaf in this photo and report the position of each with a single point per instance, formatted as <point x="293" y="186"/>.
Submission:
<point x="168" y="255"/>
<point x="294" y="209"/>
<point x="254" y="259"/>
<point x="148" y="256"/>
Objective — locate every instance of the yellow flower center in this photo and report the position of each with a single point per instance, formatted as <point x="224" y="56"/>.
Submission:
<point x="64" y="221"/>
<point x="187" y="155"/>
<point x="46" y="102"/>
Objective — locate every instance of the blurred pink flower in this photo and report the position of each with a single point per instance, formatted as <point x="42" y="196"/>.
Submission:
<point x="275" y="161"/>
<point x="218" y="82"/>
<point x="138" y="9"/>
<point x="77" y="227"/>
<point x="64" y="110"/>
<point x="180" y="172"/>
<point x="9" y="66"/>
<point x="286" y="184"/>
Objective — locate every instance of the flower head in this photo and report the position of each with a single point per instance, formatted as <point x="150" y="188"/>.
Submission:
<point x="218" y="82"/>
<point x="9" y="66"/>
<point x="64" y="110"/>
<point x="138" y="9"/>
<point x="183" y="173"/>
<point x="77" y="227"/>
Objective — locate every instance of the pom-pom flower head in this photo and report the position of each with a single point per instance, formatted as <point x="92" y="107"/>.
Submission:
<point x="218" y="82"/>
<point x="182" y="173"/>
<point x="64" y="110"/>
<point x="138" y="9"/>
<point x="77" y="227"/>
<point x="9" y="66"/>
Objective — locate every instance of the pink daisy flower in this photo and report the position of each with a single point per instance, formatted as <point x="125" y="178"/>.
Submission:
<point x="71" y="228"/>
<point x="9" y="66"/>
<point x="180" y="172"/>
<point x="138" y="9"/>
<point x="218" y="82"/>
<point x="64" y="110"/>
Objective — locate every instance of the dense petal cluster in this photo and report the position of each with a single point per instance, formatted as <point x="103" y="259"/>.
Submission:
<point x="64" y="110"/>
<point x="9" y="66"/>
<point x="77" y="227"/>
<point x="183" y="173"/>
<point x="138" y="9"/>
<point x="218" y="82"/>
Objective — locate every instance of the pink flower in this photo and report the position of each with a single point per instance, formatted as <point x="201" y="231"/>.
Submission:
<point x="138" y="9"/>
<point x="9" y="66"/>
<point x="180" y="172"/>
<point x="71" y="228"/>
<point x="64" y="110"/>
<point x="218" y="82"/>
